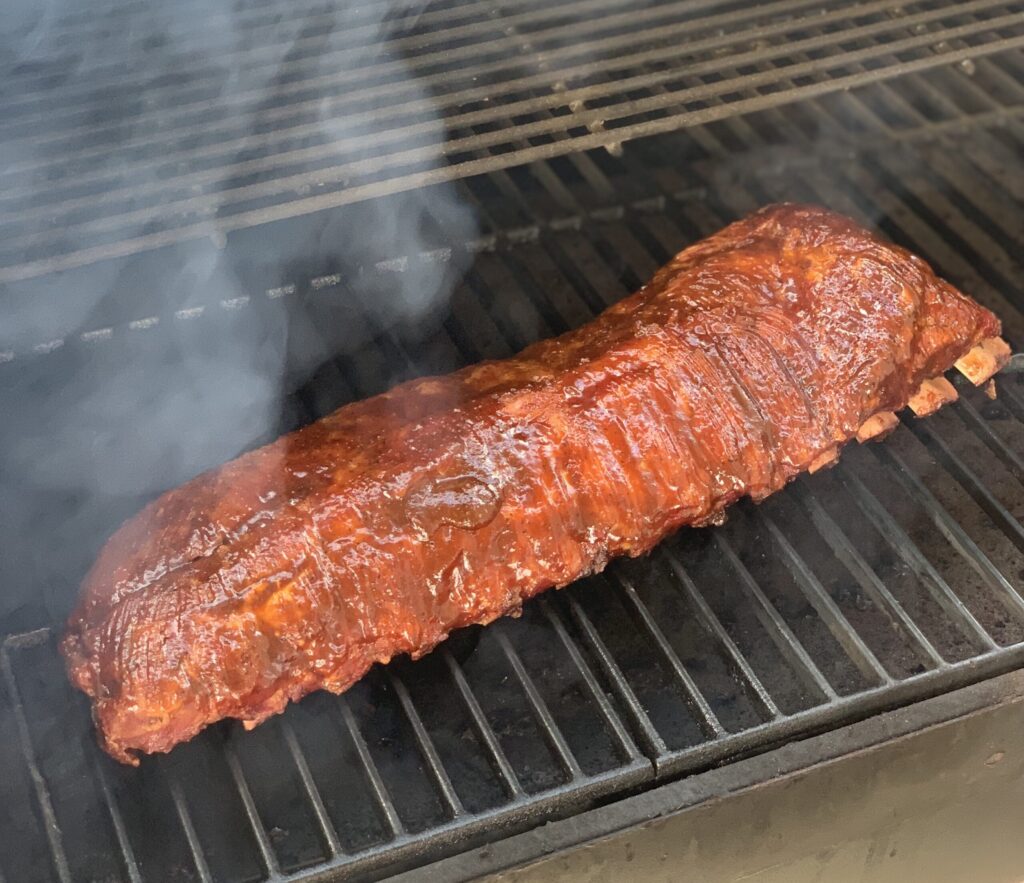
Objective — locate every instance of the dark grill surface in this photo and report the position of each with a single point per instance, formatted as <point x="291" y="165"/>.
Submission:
<point x="897" y="575"/>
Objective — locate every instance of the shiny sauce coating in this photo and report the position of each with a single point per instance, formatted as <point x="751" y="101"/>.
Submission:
<point x="448" y="501"/>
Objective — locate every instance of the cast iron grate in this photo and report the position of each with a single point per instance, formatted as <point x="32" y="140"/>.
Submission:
<point x="167" y="126"/>
<point x="895" y="576"/>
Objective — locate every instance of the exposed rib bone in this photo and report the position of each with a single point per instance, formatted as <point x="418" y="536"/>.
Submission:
<point x="825" y="458"/>
<point x="984" y="360"/>
<point x="932" y="395"/>
<point x="877" y="426"/>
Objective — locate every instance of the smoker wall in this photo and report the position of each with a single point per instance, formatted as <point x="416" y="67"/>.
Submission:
<point x="932" y="792"/>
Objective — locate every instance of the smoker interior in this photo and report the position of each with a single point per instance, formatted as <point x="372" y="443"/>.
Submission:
<point x="895" y="576"/>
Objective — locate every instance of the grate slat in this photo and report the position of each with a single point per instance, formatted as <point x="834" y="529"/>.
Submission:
<point x="737" y="660"/>
<point x="788" y="643"/>
<point x="695" y="700"/>
<point x="552" y="733"/>
<point x="187" y="826"/>
<point x="647" y="733"/>
<point x="954" y="532"/>
<point x="905" y="547"/>
<point x="426" y="747"/>
<point x="327" y="829"/>
<point x="53" y="831"/>
<point x="969" y="481"/>
<point x="226" y="221"/>
<point x="487" y="735"/>
<point x="838" y="624"/>
<point x="117" y="820"/>
<point x="973" y="419"/>
<point x="847" y="553"/>
<point x="267" y="855"/>
<point x="369" y="765"/>
<point x="624" y="742"/>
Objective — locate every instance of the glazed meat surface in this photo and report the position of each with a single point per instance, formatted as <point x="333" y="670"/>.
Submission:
<point x="448" y="501"/>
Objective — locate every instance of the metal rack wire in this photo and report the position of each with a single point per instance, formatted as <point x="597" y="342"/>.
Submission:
<point x="266" y="134"/>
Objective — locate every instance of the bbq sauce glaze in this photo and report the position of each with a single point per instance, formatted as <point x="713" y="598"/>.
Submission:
<point x="449" y="500"/>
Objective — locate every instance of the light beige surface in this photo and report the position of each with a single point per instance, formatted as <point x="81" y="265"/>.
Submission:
<point x="943" y="805"/>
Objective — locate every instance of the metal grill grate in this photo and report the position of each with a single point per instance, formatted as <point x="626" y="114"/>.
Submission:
<point x="895" y="576"/>
<point x="175" y="126"/>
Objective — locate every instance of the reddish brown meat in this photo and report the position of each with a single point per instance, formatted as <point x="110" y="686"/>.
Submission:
<point x="450" y="500"/>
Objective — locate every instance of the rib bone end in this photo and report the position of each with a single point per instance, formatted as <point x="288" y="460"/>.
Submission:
<point x="932" y="395"/>
<point x="825" y="458"/>
<point x="984" y="360"/>
<point x="877" y="426"/>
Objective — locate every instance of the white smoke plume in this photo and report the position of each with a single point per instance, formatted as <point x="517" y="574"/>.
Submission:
<point x="123" y="377"/>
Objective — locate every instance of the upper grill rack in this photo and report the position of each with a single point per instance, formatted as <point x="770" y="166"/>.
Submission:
<point x="241" y="120"/>
<point x="893" y="577"/>
<point x="915" y="109"/>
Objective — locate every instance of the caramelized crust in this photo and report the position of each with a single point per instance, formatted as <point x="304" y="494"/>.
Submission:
<point x="449" y="500"/>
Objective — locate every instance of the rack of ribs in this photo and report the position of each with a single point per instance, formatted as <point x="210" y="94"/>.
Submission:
<point x="752" y="356"/>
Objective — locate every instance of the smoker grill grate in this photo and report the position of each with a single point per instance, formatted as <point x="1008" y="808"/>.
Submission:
<point x="175" y="126"/>
<point x="895" y="576"/>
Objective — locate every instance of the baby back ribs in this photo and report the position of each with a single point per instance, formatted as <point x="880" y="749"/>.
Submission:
<point x="751" y="357"/>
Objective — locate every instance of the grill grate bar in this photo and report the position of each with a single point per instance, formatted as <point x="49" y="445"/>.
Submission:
<point x="380" y="790"/>
<point x="866" y="577"/>
<point x="54" y="837"/>
<point x="117" y="820"/>
<point x="955" y="221"/>
<point x="618" y="247"/>
<point x="698" y="705"/>
<point x="552" y="733"/>
<point x="412" y="33"/>
<point x="751" y="682"/>
<point x="346" y="62"/>
<point x="848" y="637"/>
<point x="905" y="547"/>
<point x="499" y="761"/>
<point x="988" y="205"/>
<point x="323" y="819"/>
<point x="189" y="829"/>
<point x="402" y="134"/>
<point x="915" y="210"/>
<point x="453" y="804"/>
<point x="123" y="12"/>
<point x="996" y="169"/>
<point x="413" y="156"/>
<point x="980" y="426"/>
<point x="249" y="21"/>
<point x="646" y="207"/>
<point x="954" y="533"/>
<point x="267" y="854"/>
<point x="625" y="744"/>
<point x="969" y="481"/>
<point x="776" y="627"/>
<point x="442" y="100"/>
<point x="1010" y="396"/>
<point x="855" y="706"/>
<point x="651" y="740"/>
<point x="469" y="57"/>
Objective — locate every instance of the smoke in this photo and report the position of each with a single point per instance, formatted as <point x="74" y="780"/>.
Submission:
<point x="123" y="377"/>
